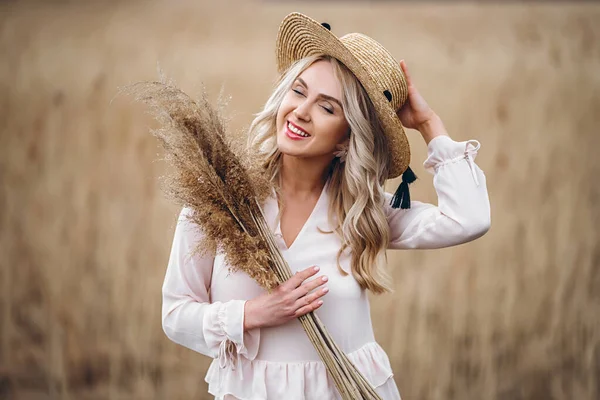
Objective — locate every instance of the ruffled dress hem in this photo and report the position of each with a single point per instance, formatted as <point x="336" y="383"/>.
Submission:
<point x="306" y="380"/>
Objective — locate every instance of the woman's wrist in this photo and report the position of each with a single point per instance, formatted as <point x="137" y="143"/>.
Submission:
<point x="249" y="316"/>
<point x="432" y="128"/>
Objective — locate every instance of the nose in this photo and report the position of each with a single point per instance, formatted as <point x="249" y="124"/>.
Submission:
<point x="302" y="111"/>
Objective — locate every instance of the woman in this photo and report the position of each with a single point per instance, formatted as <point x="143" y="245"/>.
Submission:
<point x="330" y="135"/>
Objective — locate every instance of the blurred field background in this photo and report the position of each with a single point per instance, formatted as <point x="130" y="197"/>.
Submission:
<point x="85" y="232"/>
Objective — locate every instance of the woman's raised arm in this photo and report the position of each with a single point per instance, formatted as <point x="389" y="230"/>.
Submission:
<point x="463" y="210"/>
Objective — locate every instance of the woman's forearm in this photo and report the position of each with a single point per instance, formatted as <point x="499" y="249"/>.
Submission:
<point x="432" y="128"/>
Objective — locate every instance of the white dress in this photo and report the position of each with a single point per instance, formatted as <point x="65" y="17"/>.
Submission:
<point x="280" y="362"/>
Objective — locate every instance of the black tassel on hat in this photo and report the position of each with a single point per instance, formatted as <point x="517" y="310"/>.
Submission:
<point x="402" y="196"/>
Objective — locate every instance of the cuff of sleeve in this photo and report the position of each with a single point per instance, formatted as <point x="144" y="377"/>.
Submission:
<point x="443" y="150"/>
<point x="231" y="319"/>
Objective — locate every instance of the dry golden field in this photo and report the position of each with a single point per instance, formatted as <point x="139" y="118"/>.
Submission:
<point x="85" y="232"/>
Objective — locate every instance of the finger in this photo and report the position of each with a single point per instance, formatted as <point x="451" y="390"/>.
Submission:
<point x="308" y="286"/>
<point x="308" y="308"/>
<point x="406" y="73"/>
<point x="310" y="298"/>
<point x="300" y="277"/>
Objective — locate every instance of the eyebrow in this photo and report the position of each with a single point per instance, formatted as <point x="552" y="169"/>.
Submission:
<point x="327" y="97"/>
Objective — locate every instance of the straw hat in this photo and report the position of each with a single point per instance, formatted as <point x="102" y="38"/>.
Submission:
<point x="379" y="73"/>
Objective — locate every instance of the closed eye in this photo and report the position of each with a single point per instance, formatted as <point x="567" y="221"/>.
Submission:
<point x="302" y="94"/>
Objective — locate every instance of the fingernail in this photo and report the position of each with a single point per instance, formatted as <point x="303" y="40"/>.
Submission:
<point x="325" y="290"/>
<point x="320" y="302"/>
<point x="324" y="279"/>
<point x="317" y="268"/>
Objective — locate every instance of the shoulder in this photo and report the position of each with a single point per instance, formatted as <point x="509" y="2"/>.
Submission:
<point x="186" y="213"/>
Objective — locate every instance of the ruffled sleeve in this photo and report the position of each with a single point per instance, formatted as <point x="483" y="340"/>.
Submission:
<point x="463" y="211"/>
<point x="188" y="317"/>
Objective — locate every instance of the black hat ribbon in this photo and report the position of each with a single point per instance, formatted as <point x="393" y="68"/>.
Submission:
<point x="402" y="196"/>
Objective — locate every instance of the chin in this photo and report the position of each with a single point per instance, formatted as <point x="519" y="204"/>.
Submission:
<point x="282" y="146"/>
<point x="285" y="150"/>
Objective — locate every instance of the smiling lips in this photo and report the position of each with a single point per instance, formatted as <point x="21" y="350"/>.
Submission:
<point x="295" y="132"/>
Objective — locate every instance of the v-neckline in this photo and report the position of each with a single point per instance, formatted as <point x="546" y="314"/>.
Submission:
<point x="278" y="217"/>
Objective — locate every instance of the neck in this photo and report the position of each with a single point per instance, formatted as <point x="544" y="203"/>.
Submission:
<point x="301" y="176"/>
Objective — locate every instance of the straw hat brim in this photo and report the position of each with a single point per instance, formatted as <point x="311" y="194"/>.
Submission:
<point x="300" y="36"/>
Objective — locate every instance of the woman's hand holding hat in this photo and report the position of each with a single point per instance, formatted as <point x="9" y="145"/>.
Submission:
<point x="415" y="113"/>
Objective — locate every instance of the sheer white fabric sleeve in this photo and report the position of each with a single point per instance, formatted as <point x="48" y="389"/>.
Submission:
<point x="188" y="317"/>
<point x="463" y="211"/>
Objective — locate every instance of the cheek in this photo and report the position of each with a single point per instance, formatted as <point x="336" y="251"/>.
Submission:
<point x="341" y="130"/>
<point x="284" y="109"/>
<point x="332" y="132"/>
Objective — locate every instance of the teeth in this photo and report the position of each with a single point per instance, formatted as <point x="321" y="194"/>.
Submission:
<point x="296" y="130"/>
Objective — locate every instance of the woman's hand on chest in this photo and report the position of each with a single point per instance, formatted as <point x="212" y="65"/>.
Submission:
<point x="297" y="296"/>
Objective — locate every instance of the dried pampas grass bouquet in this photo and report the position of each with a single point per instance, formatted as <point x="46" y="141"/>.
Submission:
<point x="224" y="186"/>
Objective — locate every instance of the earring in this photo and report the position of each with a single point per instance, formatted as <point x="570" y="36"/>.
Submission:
<point x="342" y="151"/>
